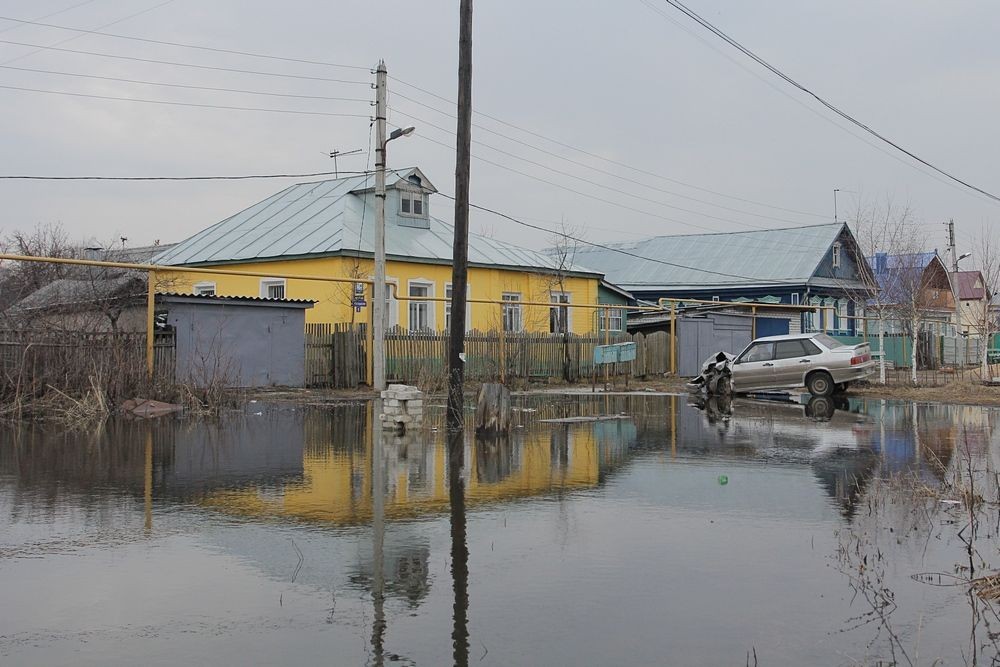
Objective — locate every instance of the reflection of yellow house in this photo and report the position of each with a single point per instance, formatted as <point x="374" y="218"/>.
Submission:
<point x="326" y="229"/>
<point x="337" y="487"/>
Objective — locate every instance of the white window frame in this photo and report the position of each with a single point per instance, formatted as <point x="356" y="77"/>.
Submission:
<point x="428" y="306"/>
<point x="447" y="307"/>
<point x="835" y="260"/>
<point x="204" y="288"/>
<point x="715" y="298"/>
<point x="412" y="196"/>
<point x="607" y="318"/>
<point x="391" y="304"/>
<point x="795" y="298"/>
<point x="267" y="283"/>
<point x="512" y="306"/>
<point x="555" y="298"/>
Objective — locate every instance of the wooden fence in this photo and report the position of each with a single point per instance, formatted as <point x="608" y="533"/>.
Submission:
<point x="336" y="355"/>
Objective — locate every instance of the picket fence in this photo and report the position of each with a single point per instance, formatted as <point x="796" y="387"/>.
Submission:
<point x="336" y="355"/>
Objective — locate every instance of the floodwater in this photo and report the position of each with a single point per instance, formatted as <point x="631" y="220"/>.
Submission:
<point x="751" y="533"/>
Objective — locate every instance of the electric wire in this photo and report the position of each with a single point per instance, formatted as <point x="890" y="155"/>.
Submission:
<point x="51" y="14"/>
<point x="589" y="167"/>
<point x="155" y="61"/>
<point x="602" y="246"/>
<point x="681" y="7"/>
<point x="199" y="47"/>
<point x="186" y="104"/>
<point x="597" y="156"/>
<point x="73" y="37"/>
<point x="187" y="86"/>
<point x="242" y="177"/>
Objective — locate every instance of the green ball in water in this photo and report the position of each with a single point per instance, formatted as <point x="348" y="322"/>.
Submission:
<point x="723" y="479"/>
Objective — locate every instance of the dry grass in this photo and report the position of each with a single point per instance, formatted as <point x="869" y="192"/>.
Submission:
<point x="966" y="392"/>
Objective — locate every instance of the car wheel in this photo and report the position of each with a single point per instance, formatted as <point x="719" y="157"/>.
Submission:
<point x="819" y="383"/>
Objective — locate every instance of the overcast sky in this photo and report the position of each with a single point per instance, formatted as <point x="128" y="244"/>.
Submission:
<point x="646" y="89"/>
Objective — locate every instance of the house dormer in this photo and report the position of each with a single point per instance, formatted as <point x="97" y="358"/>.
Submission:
<point x="410" y="199"/>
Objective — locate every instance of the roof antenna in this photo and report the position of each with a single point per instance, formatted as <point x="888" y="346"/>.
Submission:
<point x="335" y="153"/>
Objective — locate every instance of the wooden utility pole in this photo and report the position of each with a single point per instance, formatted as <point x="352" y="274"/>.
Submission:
<point x="460" y="256"/>
<point x="378" y="289"/>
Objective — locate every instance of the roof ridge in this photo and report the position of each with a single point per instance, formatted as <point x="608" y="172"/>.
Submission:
<point x="637" y="242"/>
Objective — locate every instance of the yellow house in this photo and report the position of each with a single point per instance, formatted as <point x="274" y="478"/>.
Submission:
<point x="327" y="228"/>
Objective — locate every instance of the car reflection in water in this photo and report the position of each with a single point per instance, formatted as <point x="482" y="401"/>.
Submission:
<point x="824" y="432"/>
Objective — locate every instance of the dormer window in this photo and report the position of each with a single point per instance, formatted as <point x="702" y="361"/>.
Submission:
<point x="836" y="255"/>
<point x="411" y="203"/>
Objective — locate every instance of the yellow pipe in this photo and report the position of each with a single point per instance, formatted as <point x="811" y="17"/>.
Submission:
<point x="188" y="269"/>
<point x="673" y="337"/>
<point x="783" y="306"/>
<point x="150" y="323"/>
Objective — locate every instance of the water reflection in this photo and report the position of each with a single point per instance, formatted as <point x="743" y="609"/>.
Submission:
<point x="324" y="501"/>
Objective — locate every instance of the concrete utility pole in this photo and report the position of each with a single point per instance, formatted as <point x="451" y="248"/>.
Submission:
<point x="460" y="255"/>
<point x="378" y="298"/>
<point x="951" y="246"/>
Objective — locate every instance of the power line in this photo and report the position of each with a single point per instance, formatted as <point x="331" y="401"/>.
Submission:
<point x="187" y="86"/>
<point x="190" y="65"/>
<point x="305" y="61"/>
<point x="179" y="178"/>
<point x="601" y="185"/>
<point x="595" y="156"/>
<point x="185" y="104"/>
<point x="590" y="168"/>
<point x="51" y="14"/>
<point x="681" y="7"/>
<point x="607" y="247"/>
<point x="106" y="25"/>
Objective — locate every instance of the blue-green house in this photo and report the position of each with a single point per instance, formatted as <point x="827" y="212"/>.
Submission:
<point x="612" y="319"/>
<point x="817" y="265"/>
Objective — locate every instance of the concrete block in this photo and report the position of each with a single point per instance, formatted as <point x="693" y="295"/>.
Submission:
<point x="391" y="402"/>
<point x="399" y="387"/>
<point x="414" y="403"/>
<point x="409" y="395"/>
<point x="403" y="419"/>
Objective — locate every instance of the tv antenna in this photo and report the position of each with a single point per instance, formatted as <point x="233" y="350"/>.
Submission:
<point x="337" y="153"/>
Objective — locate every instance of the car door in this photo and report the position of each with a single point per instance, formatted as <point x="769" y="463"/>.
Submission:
<point x="754" y="369"/>
<point x="789" y="363"/>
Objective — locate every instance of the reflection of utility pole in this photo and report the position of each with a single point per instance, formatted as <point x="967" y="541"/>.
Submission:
<point x="459" y="548"/>
<point x="378" y="535"/>
<point x="148" y="482"/>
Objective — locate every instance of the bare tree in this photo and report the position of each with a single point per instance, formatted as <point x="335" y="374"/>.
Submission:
<point x="884" y="232"/>
<point x="984" y="320"/>
<point x="565" y="246"/>
<point x="18" y="279"/>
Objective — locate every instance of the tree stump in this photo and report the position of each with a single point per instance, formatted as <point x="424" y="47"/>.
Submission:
<point x="493" y="410"/>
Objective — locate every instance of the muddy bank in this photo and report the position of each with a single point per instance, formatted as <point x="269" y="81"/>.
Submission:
<point x="961" y="393"/>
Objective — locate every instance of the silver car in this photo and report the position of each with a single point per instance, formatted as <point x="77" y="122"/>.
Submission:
<point x="818" y="362"/>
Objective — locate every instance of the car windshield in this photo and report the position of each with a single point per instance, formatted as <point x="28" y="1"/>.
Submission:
<point x="829" y="342"/>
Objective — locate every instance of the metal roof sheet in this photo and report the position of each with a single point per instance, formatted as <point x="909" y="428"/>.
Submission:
<point x="308" y="303"/>
<point x="770" y="256"/>
<point x="329" y="217"/>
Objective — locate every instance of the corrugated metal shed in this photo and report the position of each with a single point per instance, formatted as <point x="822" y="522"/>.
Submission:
<point x="760" y="257"/>
<point x="331" y="217"/>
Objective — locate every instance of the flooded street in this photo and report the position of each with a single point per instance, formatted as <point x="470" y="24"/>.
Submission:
<point x="682" y="534"/>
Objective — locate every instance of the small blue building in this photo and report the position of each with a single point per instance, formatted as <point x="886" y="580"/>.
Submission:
<point x="820" y="265"/>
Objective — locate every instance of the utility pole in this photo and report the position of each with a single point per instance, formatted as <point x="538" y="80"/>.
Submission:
<point x="460" y="255"/>
<point x="835" y="191"/>
<point x="378" y="298"/>
<point x="951" y="246"/>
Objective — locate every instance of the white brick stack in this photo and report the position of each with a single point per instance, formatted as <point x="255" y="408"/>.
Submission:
<point x="402" y="407"/>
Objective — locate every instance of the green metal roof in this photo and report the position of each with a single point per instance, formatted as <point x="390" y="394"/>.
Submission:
<point x="759" y="257"/>
<point x="338" y="216"/>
